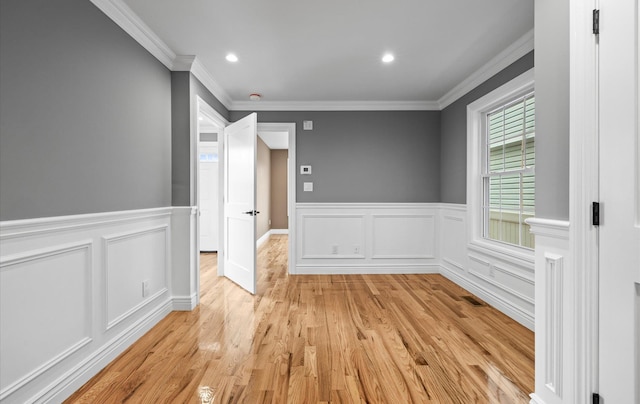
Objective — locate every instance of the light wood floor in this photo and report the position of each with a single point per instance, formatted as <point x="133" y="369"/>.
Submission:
<point x="310" y="339"/>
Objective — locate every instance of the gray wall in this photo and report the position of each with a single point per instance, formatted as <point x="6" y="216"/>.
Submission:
<point x="454" y="132"/>
<point x="184" y="89"/>
<point x="366" y="156"/>
<point x="180" y="138"/>
<point x="552" y="108"/>
<point x="84" y="114"/>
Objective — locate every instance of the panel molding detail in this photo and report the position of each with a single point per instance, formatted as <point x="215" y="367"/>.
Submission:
<point x="19" y="265"/>
<point x="63" y="264"/>
<point x="553" y="319"/>
<point x="110" y="242"/>
<point x="377" y="238"/>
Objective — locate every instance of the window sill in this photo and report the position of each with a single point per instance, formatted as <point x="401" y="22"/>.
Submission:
<point x="516" y="255"/>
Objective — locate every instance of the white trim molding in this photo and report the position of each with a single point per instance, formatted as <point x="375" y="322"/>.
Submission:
<point x="335" y="106"/>
<point x="555" y="312"/>
<point x="501" y="61"/>
<point x="133" y="25"/>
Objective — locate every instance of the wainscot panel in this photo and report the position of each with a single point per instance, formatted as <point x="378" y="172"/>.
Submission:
<point x="505" y="282"/>
<point x="76" y="291"/>
<point x="366" y="238"/>
<point x="555" y="314"/>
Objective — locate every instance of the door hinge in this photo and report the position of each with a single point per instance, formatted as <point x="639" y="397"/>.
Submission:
<point x="596" y="22"/>
<point x="595" y="213"/>
<point x="595" y="398"/>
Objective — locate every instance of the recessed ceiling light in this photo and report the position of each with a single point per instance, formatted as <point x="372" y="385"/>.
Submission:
<point x="232" y="58"/>
<point x="387" y="58"/>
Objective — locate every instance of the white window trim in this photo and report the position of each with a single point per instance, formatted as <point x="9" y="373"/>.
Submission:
<point x="476" y="111"/>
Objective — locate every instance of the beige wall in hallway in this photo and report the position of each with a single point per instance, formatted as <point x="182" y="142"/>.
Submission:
<point x="263" y="188"/>
<point x="279" y="219"/>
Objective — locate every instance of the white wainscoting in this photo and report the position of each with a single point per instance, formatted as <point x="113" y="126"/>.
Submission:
<point x="503" y="280"/>
<point x="72" y="299"/>
<point x="556" y="345"/>
<point x="366" y="238"/>
<point x="412" y="238"/>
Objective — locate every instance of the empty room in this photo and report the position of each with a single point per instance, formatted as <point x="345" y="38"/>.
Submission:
<point x="420" y="201"/>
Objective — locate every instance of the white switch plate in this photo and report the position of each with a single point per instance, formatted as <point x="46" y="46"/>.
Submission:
<point x="305" y="170"/>
<point x="308" y="187"/>
<point x="307" y="125"/>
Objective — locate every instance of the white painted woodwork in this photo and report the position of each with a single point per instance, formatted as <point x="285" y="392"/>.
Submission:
<point x="501" y="277"/>
<point x="619" y="253"/>
<point x="185" y="272"/>
<point x="555" y="313"/>
<point x="240" y="197"/>
<point x="208" y="198"/>
<point x="71" y="296"/>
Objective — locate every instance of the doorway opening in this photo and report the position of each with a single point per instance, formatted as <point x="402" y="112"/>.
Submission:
<point x="208" y="154"/>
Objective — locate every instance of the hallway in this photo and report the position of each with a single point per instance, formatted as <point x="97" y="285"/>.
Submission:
<point x="308" y="339"/>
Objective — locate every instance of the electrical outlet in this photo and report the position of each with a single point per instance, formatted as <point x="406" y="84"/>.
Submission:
<point x="334" y="249"/>
<point x="145" y="288"/>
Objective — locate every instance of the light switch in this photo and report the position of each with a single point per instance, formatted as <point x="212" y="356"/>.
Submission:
<point x="308" y="187"/>
<point x="305" y="170"/>
<point x="307" y="125"/>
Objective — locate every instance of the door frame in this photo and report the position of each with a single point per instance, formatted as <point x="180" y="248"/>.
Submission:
<point x="290" y="128"/>
<point x="203" y="108"/>
<point x="584" y="189"/>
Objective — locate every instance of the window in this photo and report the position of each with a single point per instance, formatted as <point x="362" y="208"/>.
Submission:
<point x="508" y="178"/>
<point x="501" y="168"/>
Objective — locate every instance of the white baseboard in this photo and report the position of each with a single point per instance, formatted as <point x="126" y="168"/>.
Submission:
<point x="184" y="303"/>
<point x="494" y="299"/>
<point x="263" y="239"/>
<point x="366" y="269"/>
<point x="268" y="234"/>
<point x="71" y="381"/>
<point x="535" y="399"/>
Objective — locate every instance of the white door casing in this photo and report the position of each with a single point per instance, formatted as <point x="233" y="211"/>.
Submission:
<point x="619" y="249"/>
<point x="240" y="202"/>
<point x="208" y="196"/>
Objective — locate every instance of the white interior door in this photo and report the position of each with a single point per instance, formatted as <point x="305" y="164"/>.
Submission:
<point x="240" y="202"/>
<point x="208" y="195"/>
<point x="619" y="266"/>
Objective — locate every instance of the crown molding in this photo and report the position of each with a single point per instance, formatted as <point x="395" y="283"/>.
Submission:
<point x="335" y="106"/>
<point x="124" y="17"/>
<point x="129" y="21"/>
<point x="202" y="74"/>
<point x="514" y="52"/>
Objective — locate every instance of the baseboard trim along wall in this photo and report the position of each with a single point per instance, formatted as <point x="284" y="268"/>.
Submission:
<point x="76" y="291"/>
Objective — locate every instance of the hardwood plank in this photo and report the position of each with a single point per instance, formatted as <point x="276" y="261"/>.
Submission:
<point x="324" y="339"/>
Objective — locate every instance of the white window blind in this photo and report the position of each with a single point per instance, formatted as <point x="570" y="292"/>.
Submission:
<point x="509" y="172"/>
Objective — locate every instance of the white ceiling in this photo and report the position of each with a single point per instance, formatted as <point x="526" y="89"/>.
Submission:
<point x="330" y="50"/>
